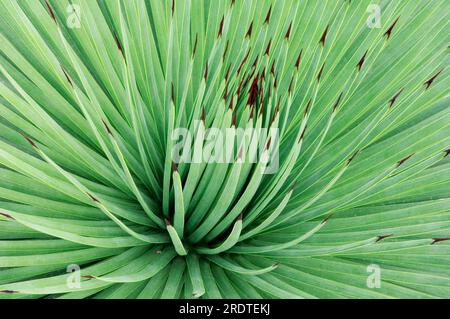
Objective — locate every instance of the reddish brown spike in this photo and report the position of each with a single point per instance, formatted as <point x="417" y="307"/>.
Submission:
<point x="267" y="20"/>
<point x="255" y="62"/>
<point x="250" y="29"/>
<point x="239" y="158"/>
<point x="324" y="36"/>
<point x="7" y="216"/>
<point x="243" y="61"/>
<point x="67" y="76"/>
<point x="268" y="47"/>
<point x="431" y="80"/>
<point x="288" y="33"/>
<point x="327" y="218"/>
<point x="437" y="240"/>
<point x="167" y="222"/>
<point x="50" y="10"/>
<point x="447" y="152"/>
<point x="253" y="91"/>
<point x="205" y="75"/>
<point x="88" y="276"/>
<point x="290" y="85"/>
<point x="352" y="157"/>
<point x="241" y="216"/>
<point x="221" y="27"/>
<point x="307" y="107"/>
<point x="203" y="115"/>
<point x="272" y="68"/>
<point x="269" y="141"/>
<point x="299" y="58"/>
<point x="107" y="127"/>
<point x="361" y="62"/>
<point x="381" y="237"/>
<point x="194" y="50"/>
<point x="337" y="102"/>
<point x="172" y="93"/>
<point x="233" y="123"/>
<point x="173" y="7"/>
<point x="174" y="167"/>
<point x="394" y="98"/>
<point x="389" y="31"/>
<point x="303" y="133"/>
<point x="399" y="163"/>
<point x="275" y="82"/>
<point x="119" y="45"/>
<point x="29" y="140"/>
<point x="225" y="51"/>
<point x="8" y="292"/>
<point x="319" y="76"/>
<point x="92" y="197"/>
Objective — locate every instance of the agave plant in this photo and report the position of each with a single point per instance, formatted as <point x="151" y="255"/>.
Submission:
<point x="94" y="205"/>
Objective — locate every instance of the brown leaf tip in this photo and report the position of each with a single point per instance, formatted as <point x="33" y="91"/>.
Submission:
<point x="389" y="31"/>
<point x="221" y="27"/>
<point x="67" y="76"/>
<point x="50" y="10"/>
<point x="7" y="216"/>
<point x="431" y="80"/>
<point x="108" y="129"/>
<point x="395" y="97"/>
<point x="352" y="157"/>
<point x="324" y="36"/>
<point x="174" y="167"/>
<point x="167" y="222"/>
<point x="379" y="238"/>
<point x="8" y="292"/>
<point x="249" y="31"/>
<point x="288" y="32"/>
<point x="28" y="139"/>
<point x="299" y="58"/>
<point x="402" y="161"/>
<point x="336" y="104"/>
<point x="327" y="218"/>
<point x="94" y="199"/>
<point x="267" y="20"/>
<point x="119" y="45"/>
<point x="194" y="50"/>
<point x="361" y="62"/>
<point x="88" y="277"/>
<point x="437" y="240"/>
<point x="447" y="152"/>
<point x="319" y="76"/>
<point x="241" y="216"/>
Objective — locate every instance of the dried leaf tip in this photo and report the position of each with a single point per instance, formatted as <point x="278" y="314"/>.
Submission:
<point x="299" y="58"/>
<point x="194" y="50"/>
<point x="108" y="129"/>
<point x="29" y="140"/>
<point x="395" y="97"/>
<point x="327" y="218"/>
<point x="269" y="141"/>
<point x="50" y="10"/>
<point x="402" y="161"/>
<point x="250" y="29"/>
<point x="8" y="292"/>
<point x="324" y="36"/>
<point x="203" y="115"/>
<point x="172" y="93"/>
<point x="167" y="222"/>
<point x="389" y="31"/>
<point x="319" y="76"/>
<point x="335" y="106"/>
<point x="447" y="152"/>
<point x="88" y="276"/>
<point x="288" y="32"/>
<point x="205" y="75"/>
<point x="303" y="133"/>
<point x="431" y="80"/>
<point x="437" y="240"/>
<point x="173" y="7"/>
<point x="7" y="216"/>
<point x="381" y="237"/>
<point x="268" y="47"/>
<point x="352" y="157"/>
<point x="94" y="199"/>
<point x="221" y="27"/>
<point x="67" y="76"/>
<point x="241" y="216"/>
<point x="119" y="45"/>
<point x="174" y="167"/>
<point x="361" y="62"/>
<point x="267" y="20"/>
